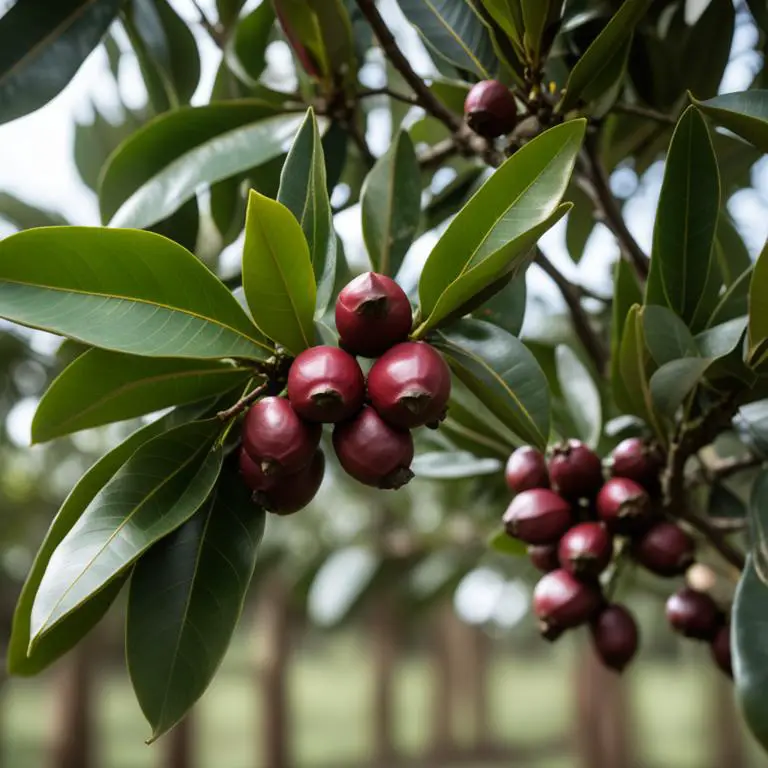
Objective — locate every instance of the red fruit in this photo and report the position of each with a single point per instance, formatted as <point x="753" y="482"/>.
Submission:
<point x="637" y="460"/>
<point x="276" y="438"/>
<point x="526" y="469"/>
<point x="490" y="109"/>
<point x="538" y="516"/>
<point x="293" y="492"/>
<point x="252" y="474"/>
<point x="721" y="649"/>
<point x="409" y="385"/>
<point x="544" y="557"/>
<point x="372" y="314"/>
<point x="560" y="602"/>
<point x="326" y="384"/>
<point x="665" y="549"/>
<point x="586" y="550"/>
<point x="615" y="636"/>
<point x="623" y="505"/>
<point x="373" y="452"/>
<point x="575" y="471"/>
<point x="693" y="614"/>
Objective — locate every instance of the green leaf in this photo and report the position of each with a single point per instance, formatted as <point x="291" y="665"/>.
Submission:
<point x="602" y="51"/>
<point x="304" y="191"/>
<point x="725" y="504"/>
<point x="453" y="465"/>
<point x="744" y="113"/>
<point x="731" y="253"/>
<point x="25" y="216"/>
<point x="667" y="336"/>
<point x="336" y="32"/>
<point x="686" y="220"/>
<point x="277" y="274"/>
<point x="708" y="47"/>
<point x="758" y="309"/>
<point x="246" y="52"/>
<point x="734" y="302"/>
<point x="123" y="290"/>
<point x="42" y="47"/>
<point x="502" y="220"/>
<point x="505" y="308"/>
<point x="720" y="340"/>
<point x="626" y="294"/>
<point x="160" y="487"/>
<point x="535" y="15"/>
<point x="503" y="373"/>
<point x="501" y="542"/>
<point x="580" y="224"/>
<point x="100" y="387"/>
<point x="454" y="31"/>
<point x="229" y="10"/>
<point x="581" y="395"/>
<point x="673" y="381"/>
<point x="391" y="205"/>
<point x="187" y="594"/>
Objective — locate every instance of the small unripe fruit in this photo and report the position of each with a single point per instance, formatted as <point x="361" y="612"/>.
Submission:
<point x="561" y="601"/>
<point x="624" y="506"/>
<point x="544" y="557"/>
<point x="293" y="492"/>
<point x="490" y="109"/>
<point x="526" y="469"/>
<point x="693" y="614"/>
<point x="585" y="550"/>
<point x="637" y="460"/>
<point x="575" y="471"/>
<point x="372" y="314"/>
<point x="252" y="474"/>
<point x="720" y="648"/>
<point x="409" y="385"/>
<point x="373" y="452"/>
<point x="276" y="438"/>
<point x="615" y="636"/>
<point x="326" y="384"/>
<point x="665" y="549"/>
<point x="538" y="516"/>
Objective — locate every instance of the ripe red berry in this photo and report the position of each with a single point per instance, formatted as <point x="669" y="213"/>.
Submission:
<point x="585" y="550"/>
<point x="490" y="109"/>
<point x="575" y="471"/>
<point x="637" y="460"/>
<point x="293" y="492"/>
<point x="526" y="469"/>
<point x="326" y="384"/>
<point x="538" y="516"/>
<point x="372" y="314"/>
<point x="615" y="636"/>
<point x="277" y="439"/>
<point x="544" y="557"/>
<point x="624" y="506"/>
<point x="720" y="648"/>
<point x="561" y="601"/>
<point x="693" y="614"/>
<point x="373" y="452"/>
<point x="409" y="385"/>
<point x="665" y="549"/>
<point x="252" y="474"/>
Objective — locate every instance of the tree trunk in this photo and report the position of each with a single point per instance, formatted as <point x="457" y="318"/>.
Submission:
<point x="384" y="640"/>
<point x="728" y="747"/>
<point x="180" y="745"/>
<point x="443" y="735"/>
<point x="481" y="721"/>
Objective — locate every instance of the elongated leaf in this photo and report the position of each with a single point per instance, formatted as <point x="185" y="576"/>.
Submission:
<point x="708" y="47"/>
<point x="335" y="26"/>
<point x="187" y="593"/>
<point x="100" y="387"/>
<point x="730" y="250"/>
<point x="686" y="219"/>
<point x="500" y="541"/>
<point x="734" y="302"/>
<point x="744" y="113"/>
<point x="505" y="308"/>
<point x="667" y="336"/>
<point x="42" y="45"/>
<point x="453" y="465"/>
<point x="508" y="14"/>
<point x="673" y="381"/>
<point x="503" y="373"/>
<point x="246" y="53"/>
<point x="535" y="14"/>
<point x="391" y="205"/>
<point x="25" y="216"/>
<point x="581" y="223"/>
<point x="277" y="274"/>
<point x="581" y="394"/>
<point x="304" y="191"/>
<point x="758" y="309"/>
<point x="626" y="294"/>
<point x="160" y="487"/>
<point x="124" y="290"/>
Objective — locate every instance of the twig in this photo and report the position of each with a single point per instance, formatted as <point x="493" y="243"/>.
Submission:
<point x="436" y="154"/>
<point x="362" y="145"/>
<point x="243" y="402"/>
<point x="364" y="93"/>
<point x="214" y="30"/>
<point x="649" y="114"/>
<point x="727" y="467"/>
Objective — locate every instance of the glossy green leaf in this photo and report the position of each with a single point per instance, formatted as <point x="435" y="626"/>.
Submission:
<point x="581" y="395"/>
<point x="686" y="219"/>
<point x="667" y="336"/>
<point x="535" y="16"/>
<point x="734" y="302"/>
<point x="708" y="47"/>
<point x="505" y="308"/>
<point x="100" y="387"/>
<point x="504" y="544"/>
<point x="745" y="113"/>
<point x="160" y="487"/>
<point x="277" y="274"/>
<point x="580" y="224"/>
<point x="508" y="14"/>
<point x="626" y="294"/>
<point x="336" y="32"/>
<point x="503" y="373"/>
<point x="187" y="594"/>
<point x="42" y="48"/>
<point x="124" y="290"/>
<point x="758" y="309"/>
<point x="731" y="252"/>
<point x="673" y="381"/>
<point x="391" y="205"/>
<point x="720" y="340"/>
<point x="453" y="465"/>
<point x="304" y="191"/>
<point x="246" y="52"/>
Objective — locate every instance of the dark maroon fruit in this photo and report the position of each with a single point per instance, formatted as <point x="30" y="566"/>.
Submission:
<point x="585" y="550"/>
<point x="624" y="506"/>
<point x="575" y="471"/>
<point x="538" y="516"/>
<point x="526" y="469"/>
<point x="373" y="452"/>
<point x="277" y="439"/>
<point x="615" y="636"/>
<point x="326" y="384"/>
<point x="252" y="473"/>
<point x="637" y="460"/>
<point x="720" y="646"/>
<point x="490" y="109"/>
<point x="409" y="385"/>
<point x="544" y="557"/>
<point x="561" y="601"/>
<point x="693" y="614"/>
<point x="293" y="492"/>
<point x="665" y="549"/>
<point x="372" y="314"/>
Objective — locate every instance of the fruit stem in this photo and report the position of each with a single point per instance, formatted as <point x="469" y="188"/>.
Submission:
<point x="243" y="402"/>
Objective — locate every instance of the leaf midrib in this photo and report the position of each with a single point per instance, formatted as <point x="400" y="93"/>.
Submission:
<point x="467" y="51"/>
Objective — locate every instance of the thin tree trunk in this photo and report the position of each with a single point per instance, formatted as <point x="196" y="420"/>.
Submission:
<point x="384" y="640"/>
<point x="180" y="744"/>
<point x="481" y="647"/>
<point x="443" y="736"/>
<point x="728" y="747"/>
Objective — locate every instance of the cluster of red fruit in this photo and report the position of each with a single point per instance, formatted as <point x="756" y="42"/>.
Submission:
<point x="571" y="517"/>
<point x="408" y="386"/>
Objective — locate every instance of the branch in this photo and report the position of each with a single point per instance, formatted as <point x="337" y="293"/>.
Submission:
<point x="359" y="141"/>
<point x="365" y="93"/>
<point x="215" y="32"/>
<point x="243" y="402"/>
<point x="727" y="467"/>
<point x="435" y="155"/>
<point x="648" y="114"/>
